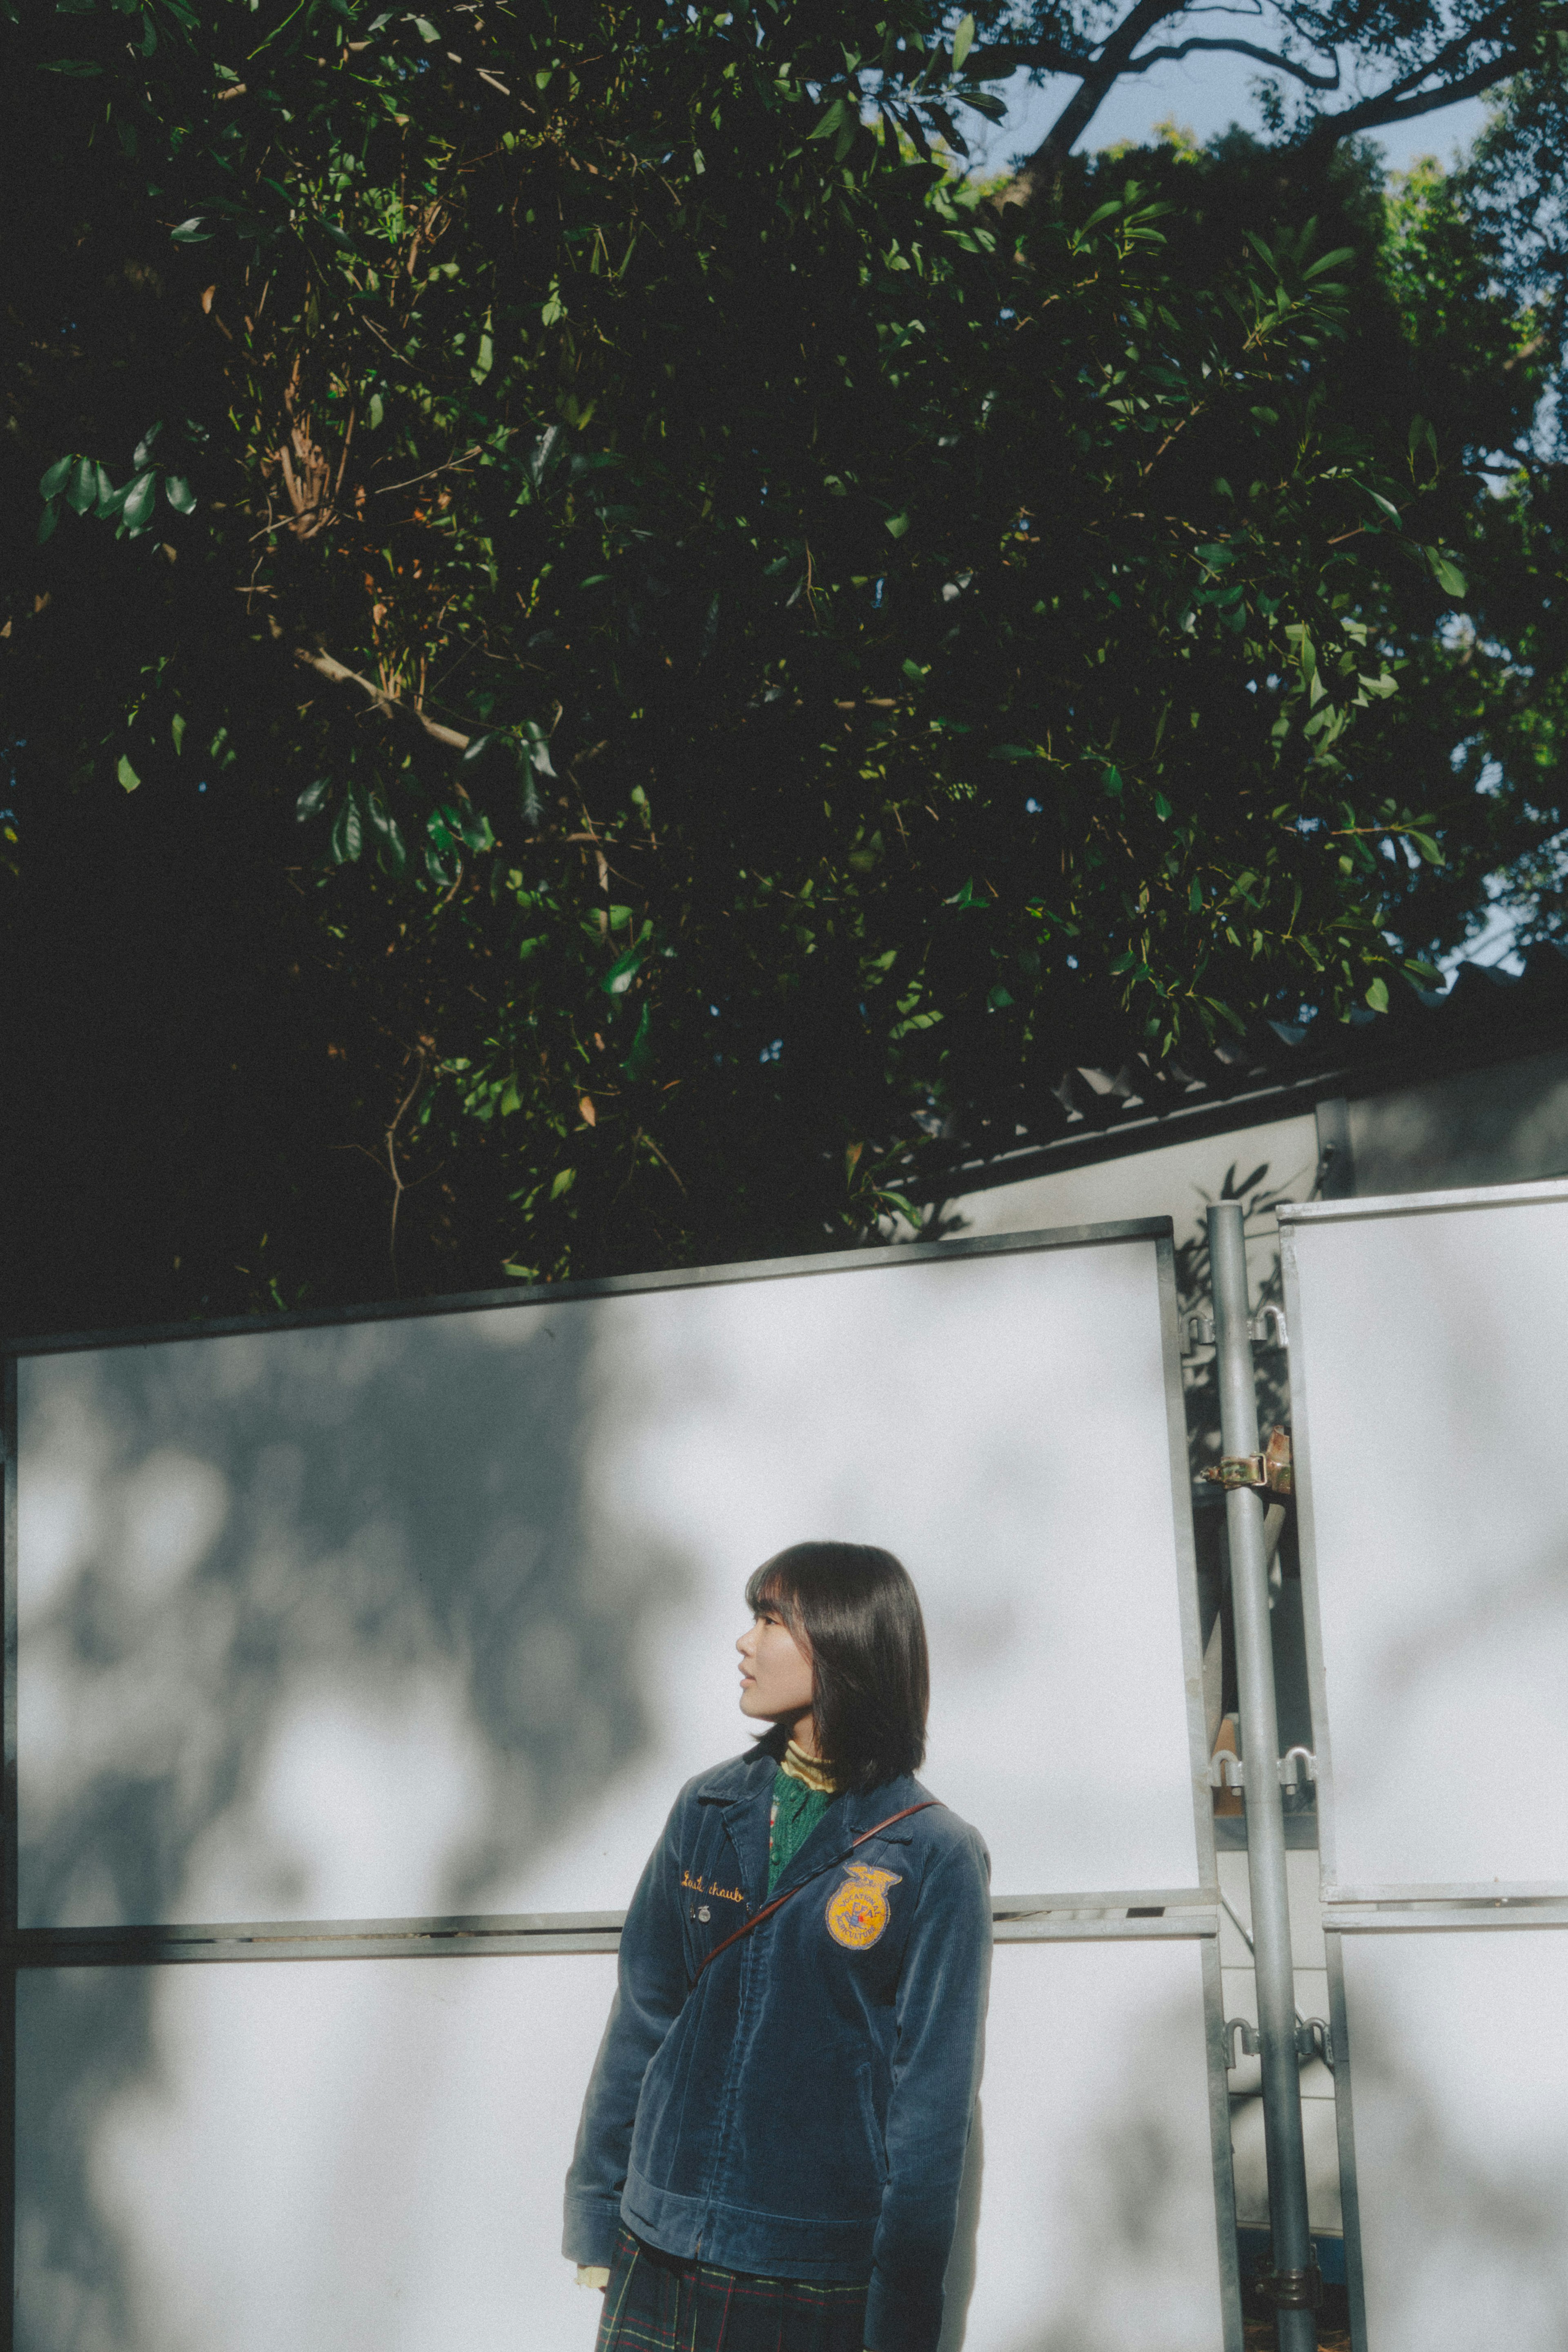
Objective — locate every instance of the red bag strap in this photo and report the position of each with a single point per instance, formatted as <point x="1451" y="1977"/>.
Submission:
<point x="780" y="1900"/>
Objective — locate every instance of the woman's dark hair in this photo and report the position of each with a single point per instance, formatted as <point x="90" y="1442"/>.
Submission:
<point x="855" y="1611"/>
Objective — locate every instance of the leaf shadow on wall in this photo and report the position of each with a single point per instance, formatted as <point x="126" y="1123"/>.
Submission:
<point x="317" y="1624"/>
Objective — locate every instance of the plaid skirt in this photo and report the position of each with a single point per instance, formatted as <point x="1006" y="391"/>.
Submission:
<point x="661" y="2303"/>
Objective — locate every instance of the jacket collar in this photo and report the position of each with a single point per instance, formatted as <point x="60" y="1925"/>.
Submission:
<point x="741" y="1777"/>
<point x="836" y="1833"/>
<point x="743" y="1780"/>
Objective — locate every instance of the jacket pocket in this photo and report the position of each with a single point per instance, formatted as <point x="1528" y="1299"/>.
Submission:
<point x="870" y="2122"/>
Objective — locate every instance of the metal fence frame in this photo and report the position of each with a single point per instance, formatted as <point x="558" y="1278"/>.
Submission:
<point x="1137" y="1915"/>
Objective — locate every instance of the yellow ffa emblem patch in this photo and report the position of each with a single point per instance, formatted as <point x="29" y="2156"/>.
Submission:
<point x="858" y="1912"/>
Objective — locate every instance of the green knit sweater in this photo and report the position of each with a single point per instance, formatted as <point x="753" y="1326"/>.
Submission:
<point x="798" y="1806"/>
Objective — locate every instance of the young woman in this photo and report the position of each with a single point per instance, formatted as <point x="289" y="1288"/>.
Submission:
<point x="771" y="2145"/>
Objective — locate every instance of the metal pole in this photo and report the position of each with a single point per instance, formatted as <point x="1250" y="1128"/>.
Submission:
<point x="1292" y="2255"/>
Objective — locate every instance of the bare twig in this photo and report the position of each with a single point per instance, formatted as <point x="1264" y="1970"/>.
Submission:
<point x="399" y="1187"/>
<point x="393" y="705"/>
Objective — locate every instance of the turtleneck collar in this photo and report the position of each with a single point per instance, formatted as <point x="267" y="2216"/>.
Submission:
<point x="809" y="1769"/>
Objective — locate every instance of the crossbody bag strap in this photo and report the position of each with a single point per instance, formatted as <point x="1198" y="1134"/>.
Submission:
<point x="780" y="1900"/>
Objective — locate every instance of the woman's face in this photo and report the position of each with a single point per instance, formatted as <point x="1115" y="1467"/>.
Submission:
<point x="775" y="1671"/>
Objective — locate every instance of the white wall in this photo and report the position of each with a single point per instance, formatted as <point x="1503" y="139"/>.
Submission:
<point x="1174" y="1182"/>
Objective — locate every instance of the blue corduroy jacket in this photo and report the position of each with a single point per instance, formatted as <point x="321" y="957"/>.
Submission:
<point x="802" y="2111"/>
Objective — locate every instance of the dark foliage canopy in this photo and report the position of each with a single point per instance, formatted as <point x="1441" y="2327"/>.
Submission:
<point x="603" y="656"/>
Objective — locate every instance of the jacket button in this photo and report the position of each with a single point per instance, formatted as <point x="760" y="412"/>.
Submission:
<point x="705" y="1914"/>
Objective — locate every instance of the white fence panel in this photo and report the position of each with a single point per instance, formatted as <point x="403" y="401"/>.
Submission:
<point x="433" y="1615"/>
<point x="368" y="2156"/>
<point x="1460" y="2061"/>
<point x="1430" y="1378"/>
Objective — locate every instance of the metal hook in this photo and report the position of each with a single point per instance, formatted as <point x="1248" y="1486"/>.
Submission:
<point x="1314" y="2040"/>
<point x="1251" y="2041"/>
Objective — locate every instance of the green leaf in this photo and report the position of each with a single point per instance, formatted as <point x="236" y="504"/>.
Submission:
<point x="1331" y="260"/>
<point x="143" y="454"/>
<point x="486" y="359"/>
<point x="81" y="492"/>
<point x="425" y="29"/>
<point x="963" y="42"/>
<point x="177" y="729"/>
<point x="536" y="747"/>
<point x="623" y="972"/>
<point x="193" y="231"/>
<point x="831" y="120"/>
<point x="375" y="412"/>
<point x="309" y="802"/>
<point x="896" y="525"/>
<point x="474" y="827"/>
<point x="1377" y="995"/>
<point x="393" y="852"/>
<point x="563" y="1182"/>
<point x="640" y="1056"/>
<point x="348" y="838"/>
<point x="47" y="521"/>
<point x="179" y="493"/>
<point x="140" y="499"/>
<point x="127" y="773"/>
<point x="391" y="848"/>
<point x="1446" y="573"/>
<point x="1014" y="752"/>
<point x="55" y="480"/>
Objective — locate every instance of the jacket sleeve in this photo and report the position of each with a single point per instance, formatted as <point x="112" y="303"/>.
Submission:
<point x="940" y="2024"/>
<point x="650" y="1987"/>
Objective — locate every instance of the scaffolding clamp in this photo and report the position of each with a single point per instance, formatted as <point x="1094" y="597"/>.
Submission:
<point x="1225" y="1770"/>
<point x="1271" y="1470"/>
<point x="1300" y="2290"/>
<point x="1296" y="1765"/>
<point x="1265" y="1329"/>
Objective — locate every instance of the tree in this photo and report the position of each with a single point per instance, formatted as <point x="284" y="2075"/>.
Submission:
<point x="773" y="657"/>
<point x="1329" y="69"/>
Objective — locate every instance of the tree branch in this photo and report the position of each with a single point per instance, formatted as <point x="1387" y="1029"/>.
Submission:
<point x="1404" y="99"/>
<point x="1372" y="113"/>
<point x="392" y="705"/>
<point x="1044" y="167"/>
<point x="1235" y="48"/>
<point x="999" y="58"/>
